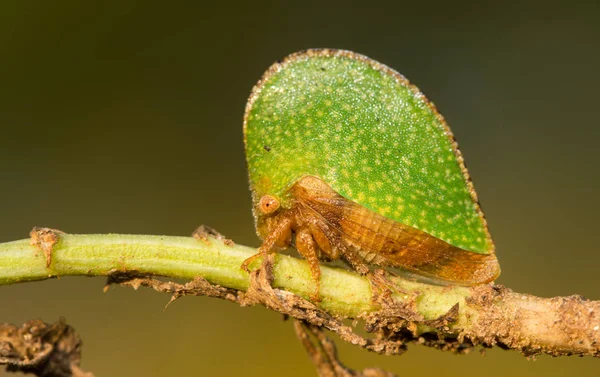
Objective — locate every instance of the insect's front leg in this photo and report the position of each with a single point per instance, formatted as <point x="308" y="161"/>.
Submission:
<point x="280" y="236"/>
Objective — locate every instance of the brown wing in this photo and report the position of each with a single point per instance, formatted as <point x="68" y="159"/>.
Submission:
<point x="386" y="242"/>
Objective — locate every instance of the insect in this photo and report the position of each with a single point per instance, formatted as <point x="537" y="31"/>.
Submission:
<point x="349" y="160"/>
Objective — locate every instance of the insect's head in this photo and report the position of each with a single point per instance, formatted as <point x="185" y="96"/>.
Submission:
<point x="266" y="213"/>
<point x="268" y="204"/>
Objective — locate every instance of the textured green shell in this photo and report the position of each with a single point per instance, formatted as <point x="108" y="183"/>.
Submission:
<point x="367" y="132"/>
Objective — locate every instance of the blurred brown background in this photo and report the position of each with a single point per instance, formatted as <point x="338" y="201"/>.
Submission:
<point x="126" y="117"/>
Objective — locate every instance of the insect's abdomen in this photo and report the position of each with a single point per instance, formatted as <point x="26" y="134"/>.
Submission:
<point x="386" y="242"/>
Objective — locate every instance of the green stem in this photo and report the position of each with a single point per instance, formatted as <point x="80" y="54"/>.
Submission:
<point x="487" y="314"/>
<point x="343" y="292"/>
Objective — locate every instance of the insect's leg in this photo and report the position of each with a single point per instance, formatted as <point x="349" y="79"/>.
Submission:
<point x="307" y="247"/>
<point x="285" y="235"/>
<point x="326" y="240"/>
<point x="381" y="286"/>
<point x="280" y="235"/>
<point x="353" y="259"/>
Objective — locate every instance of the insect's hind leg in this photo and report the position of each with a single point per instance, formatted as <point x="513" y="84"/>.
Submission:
<point x="382" y="287"/>
<point x="353" y="259"/>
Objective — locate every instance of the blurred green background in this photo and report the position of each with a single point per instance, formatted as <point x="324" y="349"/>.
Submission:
<point x="125" y="117"/>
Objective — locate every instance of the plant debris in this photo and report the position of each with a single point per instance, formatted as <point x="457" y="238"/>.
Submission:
<point x="42" y="349"/>
<point x="45" y="239"/>
<point x="323" y="354"/>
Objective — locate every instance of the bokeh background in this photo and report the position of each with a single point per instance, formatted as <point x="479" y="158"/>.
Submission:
<point x="125" y="117"/>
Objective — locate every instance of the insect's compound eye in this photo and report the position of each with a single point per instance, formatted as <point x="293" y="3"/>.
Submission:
<point x="268" y="204"/>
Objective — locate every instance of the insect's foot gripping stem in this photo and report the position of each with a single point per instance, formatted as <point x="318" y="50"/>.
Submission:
<point x="245" y="266"/>
<point x="263" y="252"/>
<point x="383" y="288"/>
<point x="391" y="306"/>
<point x="260" y="290"/>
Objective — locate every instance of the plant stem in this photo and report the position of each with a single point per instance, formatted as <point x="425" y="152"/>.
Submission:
<point x="487" y="314"/>
<point x="343" y="293"/>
